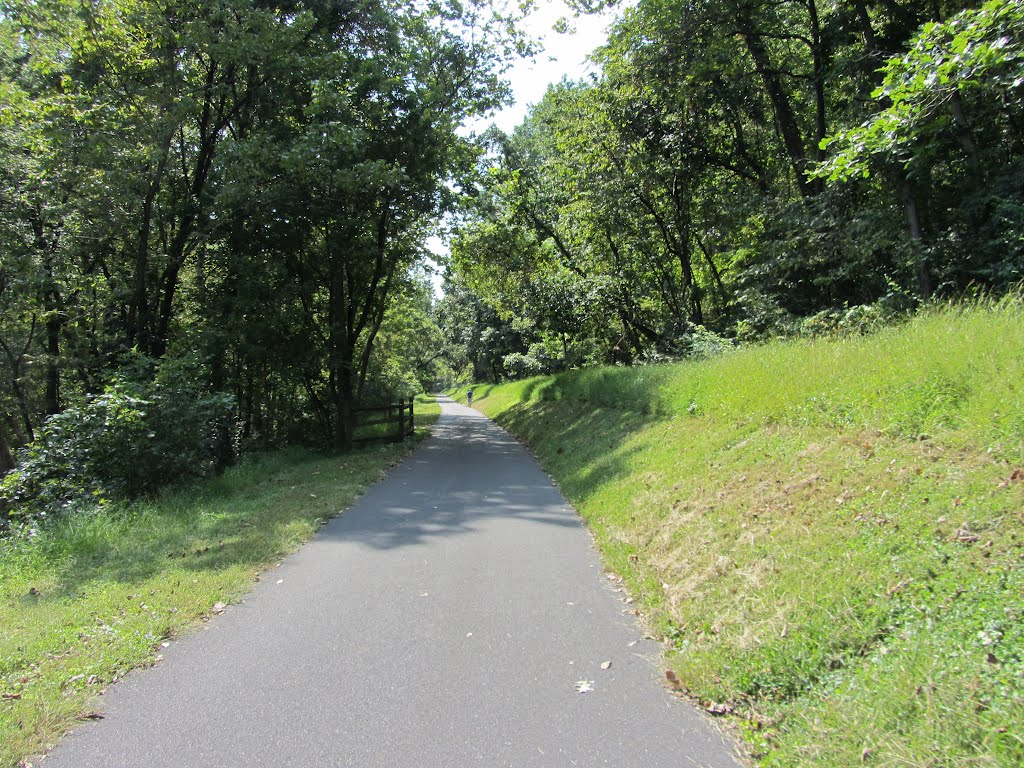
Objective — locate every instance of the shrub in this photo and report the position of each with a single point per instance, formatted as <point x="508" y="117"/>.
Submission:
<point x="131" y="440"/>
<point x="520" y="366"/>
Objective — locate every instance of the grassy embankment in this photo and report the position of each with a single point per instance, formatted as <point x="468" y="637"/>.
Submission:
<point x="92" y="597"/>
<point x="828" y="535"/>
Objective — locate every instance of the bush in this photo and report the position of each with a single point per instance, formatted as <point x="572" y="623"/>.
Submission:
<point x="520" y="366"/>
<point x="131" y="440"/>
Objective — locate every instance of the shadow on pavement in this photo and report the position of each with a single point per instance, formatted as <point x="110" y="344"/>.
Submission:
<point x="469" y="471"/>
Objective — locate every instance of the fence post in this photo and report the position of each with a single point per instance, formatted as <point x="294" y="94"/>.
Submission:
<point x="401" y="419"/>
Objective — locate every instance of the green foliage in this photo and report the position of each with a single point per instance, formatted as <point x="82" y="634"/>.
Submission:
<point x="695" y="181"/>
<point x="134" y="438"/>
<point x="520" y="366"/>
<point x="976" y="49"/>
<point x="251" y="182"/>
<point x="991" y="251"/>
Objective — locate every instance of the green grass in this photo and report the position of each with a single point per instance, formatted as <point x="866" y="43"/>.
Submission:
<point x="95" y="595"/>
<point x="827" y="534"/>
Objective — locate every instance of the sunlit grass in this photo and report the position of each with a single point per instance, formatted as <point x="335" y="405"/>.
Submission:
<point x="93" y="596"/>
<point x="828" y="534"/>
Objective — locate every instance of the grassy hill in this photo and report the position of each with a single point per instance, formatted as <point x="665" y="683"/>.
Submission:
<point x="827" y="534"/>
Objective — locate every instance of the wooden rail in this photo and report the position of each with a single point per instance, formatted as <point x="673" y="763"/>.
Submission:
<point x="393" y="413"/>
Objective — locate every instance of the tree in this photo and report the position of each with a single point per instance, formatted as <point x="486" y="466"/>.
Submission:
<point x="164" y="158"/>
<point x="970" y="63"/>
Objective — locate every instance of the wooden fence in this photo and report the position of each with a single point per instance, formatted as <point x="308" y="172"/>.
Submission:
<point x="401" y="414"/>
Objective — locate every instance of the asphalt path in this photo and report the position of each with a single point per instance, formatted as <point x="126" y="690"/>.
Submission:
<point x="449" y="618"/>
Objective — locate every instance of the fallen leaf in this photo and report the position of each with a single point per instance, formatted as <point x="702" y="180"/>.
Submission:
<point x="672" y="677"/>
<point x="606" y="665"/>
<point x="91" y="716"/>
<point x="218" y="607"/>
<point x="1017" y="475"/>
<point x="584" y="686"/>
<point x="964" y="535"/>
<point x="897" y="588"/>
<point x="718" y="709"/>
<point x="10" y="696"/>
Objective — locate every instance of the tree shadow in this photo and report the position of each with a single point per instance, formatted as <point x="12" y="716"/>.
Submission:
<point x="581" y="444"/>
<point x="469" y="472"/>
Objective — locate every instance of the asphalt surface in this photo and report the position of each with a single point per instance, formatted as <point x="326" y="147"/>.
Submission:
<point x="446" y="619"/>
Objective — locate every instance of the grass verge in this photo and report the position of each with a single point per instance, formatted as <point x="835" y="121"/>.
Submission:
<point x="827" y="535"/>
<point x="95" y="595"/>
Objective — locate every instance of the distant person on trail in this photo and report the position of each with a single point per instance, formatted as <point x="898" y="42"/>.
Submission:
<point x="469" y="397"/>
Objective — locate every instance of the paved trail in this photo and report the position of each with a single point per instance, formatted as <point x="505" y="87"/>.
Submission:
<point x="443" y="621"/>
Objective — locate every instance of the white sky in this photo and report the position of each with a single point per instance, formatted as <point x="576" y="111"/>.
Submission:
<point x="564" y="55"/>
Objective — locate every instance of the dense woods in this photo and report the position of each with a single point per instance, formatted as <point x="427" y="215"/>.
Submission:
<point x="213" y="215"/>
<point x="747" y="168"/>
<point x="223" y="203"/>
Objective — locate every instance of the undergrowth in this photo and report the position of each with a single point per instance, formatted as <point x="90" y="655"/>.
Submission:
<point x="827" y="534"/>
<point x="92" y="595"/>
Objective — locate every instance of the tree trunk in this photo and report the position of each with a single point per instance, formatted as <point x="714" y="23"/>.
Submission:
<point x="924" y="283"/>
<point x="54" y="321"/>
<point x="785" y="117"/>
<point x="53" y="325"/>
<point x="905" y="189"/>
<point x="138" y="310"/>
<point x="819" y="56"/>
<point x="966" y="137"/>
<point x="6" y="457"/>
<point x="341" y="354"/>
<point x="870" y="41"/>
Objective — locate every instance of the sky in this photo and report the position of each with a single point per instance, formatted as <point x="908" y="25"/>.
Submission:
<point x="564" y="55"/>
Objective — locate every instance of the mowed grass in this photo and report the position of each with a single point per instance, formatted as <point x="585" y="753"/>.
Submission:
<point x="93" y="596"/>
<point x="828" y="534"/>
